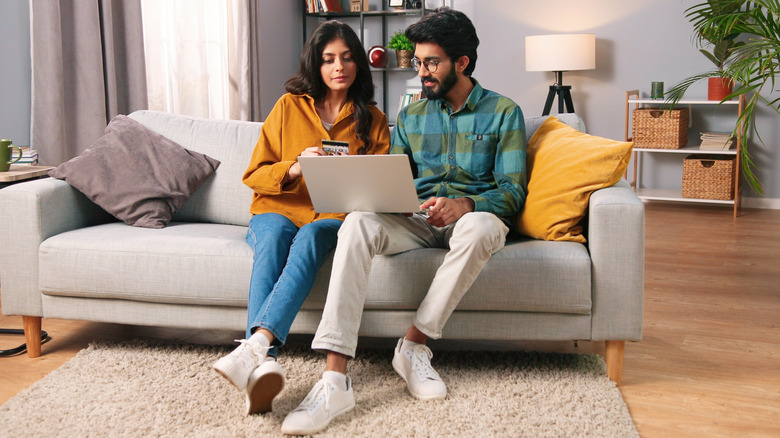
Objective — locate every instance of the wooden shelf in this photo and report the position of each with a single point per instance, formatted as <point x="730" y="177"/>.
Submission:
<point x="656" y="194"/>
<point x="675" y="196"/>
<point x="687" y="150"/>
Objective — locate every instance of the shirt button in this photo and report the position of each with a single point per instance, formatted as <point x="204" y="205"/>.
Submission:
<point x="451" y="157"/>
<point x="452" y="116"/>
<point x="452" y="167"/>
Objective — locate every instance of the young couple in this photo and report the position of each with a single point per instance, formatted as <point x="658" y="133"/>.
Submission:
<point x="467" y="146"/>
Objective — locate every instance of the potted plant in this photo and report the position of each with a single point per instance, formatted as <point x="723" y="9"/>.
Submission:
<point x="404" y="49"/>
<point x="751" y="66"/>
<point x="722" y="44"/>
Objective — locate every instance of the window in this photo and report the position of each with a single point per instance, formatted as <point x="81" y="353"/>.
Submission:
<point x="197" y="57"/>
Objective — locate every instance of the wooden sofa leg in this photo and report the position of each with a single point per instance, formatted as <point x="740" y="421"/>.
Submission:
<point x="32" y="335"/>
<point x="614" y="358"/>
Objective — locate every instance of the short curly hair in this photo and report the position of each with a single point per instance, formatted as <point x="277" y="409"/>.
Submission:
<point x="451" y="30"/>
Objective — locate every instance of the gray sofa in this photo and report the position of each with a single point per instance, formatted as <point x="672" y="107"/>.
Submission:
<point x="61" y="256"/>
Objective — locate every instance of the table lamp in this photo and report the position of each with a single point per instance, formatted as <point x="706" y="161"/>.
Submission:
<point x="560" y="53"/>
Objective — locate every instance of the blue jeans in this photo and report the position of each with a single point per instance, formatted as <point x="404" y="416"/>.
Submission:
<point x="286" y="261"/>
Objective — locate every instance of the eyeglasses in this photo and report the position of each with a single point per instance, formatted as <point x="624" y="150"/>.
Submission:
<point x="431" y="65"/>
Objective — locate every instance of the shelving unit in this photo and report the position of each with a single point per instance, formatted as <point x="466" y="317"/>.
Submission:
<point x="385" y="14"/>
<point x="656" y="194"/>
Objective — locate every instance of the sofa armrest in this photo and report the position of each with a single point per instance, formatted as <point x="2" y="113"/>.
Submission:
<point x="31" y="212"/>
<point x="616" y="240"/>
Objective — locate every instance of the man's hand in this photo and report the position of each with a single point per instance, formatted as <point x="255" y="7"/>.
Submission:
<point x="444" y="211"/>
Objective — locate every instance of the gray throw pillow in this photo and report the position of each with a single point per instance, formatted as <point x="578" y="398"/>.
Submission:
<point x="137" y="175"/>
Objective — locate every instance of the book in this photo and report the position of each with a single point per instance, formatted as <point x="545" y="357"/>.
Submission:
<point x="716" y="141"/>
<point x="407" y="99"/>
<point x="332" y="6"/>
<point x="29" y="156"/>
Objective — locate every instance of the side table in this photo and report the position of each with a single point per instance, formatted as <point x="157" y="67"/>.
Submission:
<point x="18" y="173"/>
<point x="15" y="174"/>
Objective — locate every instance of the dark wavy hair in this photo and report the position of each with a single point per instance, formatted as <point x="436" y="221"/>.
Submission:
<point x="308" y="80"/>
<point x="452" y="31"/>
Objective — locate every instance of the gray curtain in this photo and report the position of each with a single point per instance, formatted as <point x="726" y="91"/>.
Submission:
<point x="255" y="113"/>
<point x="87" y="67"/>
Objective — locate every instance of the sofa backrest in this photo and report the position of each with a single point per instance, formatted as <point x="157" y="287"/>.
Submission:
<point x="571" y="119"/>
<point x="223" y="198"/>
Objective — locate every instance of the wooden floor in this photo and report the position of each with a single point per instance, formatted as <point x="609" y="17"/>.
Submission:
<point x="709" y="363"/>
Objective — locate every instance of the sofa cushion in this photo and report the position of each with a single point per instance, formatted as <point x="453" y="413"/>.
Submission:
<point x="526" y="275"/>
<point x="183" y="263"/>
<point x="138" y="176"/>
<point x="223" y="199"/>
<point x="210" y="264"/>
<point x="565" y="166"/>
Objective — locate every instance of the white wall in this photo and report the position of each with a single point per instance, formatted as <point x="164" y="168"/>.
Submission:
<point x="280" y="48"/>
<point x="15" y="75"/>
<point x="637" y="42"/>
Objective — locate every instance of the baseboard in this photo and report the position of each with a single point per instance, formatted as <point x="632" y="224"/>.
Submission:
<point x="768" y="203"/>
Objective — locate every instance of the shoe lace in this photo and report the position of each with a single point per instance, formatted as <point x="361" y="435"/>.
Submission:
<point x="319" y="394"/>
<point x="421" y="363"/>
<point x="255" y="350"/>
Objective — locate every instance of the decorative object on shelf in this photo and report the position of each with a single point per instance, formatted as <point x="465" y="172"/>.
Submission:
<point x="559" y="53"/>
<point x="752" y="66"/>
<point x="656" y="90"/>
<point x="395" y="3"/>
<point x="708" y="177"/>
<point x="719" y="88"/>
<point x="716" y="141"/>
<point x="404" y="49"/>
<point x="355" y="6"/>
<point x="6" y="152"/>
<point x="659" y="128"/>
<point x="377" y="57"/>
<point x="412" y="4"/>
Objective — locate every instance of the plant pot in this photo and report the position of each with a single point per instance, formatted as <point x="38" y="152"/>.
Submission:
<point x="404" y="58"/>
<point x="718" y="88"/>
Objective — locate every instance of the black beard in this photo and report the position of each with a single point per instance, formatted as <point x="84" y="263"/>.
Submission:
<point x="444" y="87"/>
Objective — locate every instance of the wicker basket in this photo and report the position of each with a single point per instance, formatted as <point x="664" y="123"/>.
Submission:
<point x="708" y="177"/>
<point x="655" y="128"/>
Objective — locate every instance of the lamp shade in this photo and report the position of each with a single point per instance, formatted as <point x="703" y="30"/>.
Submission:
<point x="560" y="52"/>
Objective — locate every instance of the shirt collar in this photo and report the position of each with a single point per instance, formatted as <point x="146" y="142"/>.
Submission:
<point x="346" y="110"/>
<point x="471" y="101"/>
<point x="475" y="95"/>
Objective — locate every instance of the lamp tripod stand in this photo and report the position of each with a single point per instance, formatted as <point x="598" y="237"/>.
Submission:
<point x="564" y="95"/>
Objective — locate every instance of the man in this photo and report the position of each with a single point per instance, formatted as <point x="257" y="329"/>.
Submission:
<point x="467" y="149"/>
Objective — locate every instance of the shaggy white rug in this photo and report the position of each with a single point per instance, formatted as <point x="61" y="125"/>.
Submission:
<point x="145" y="389"/>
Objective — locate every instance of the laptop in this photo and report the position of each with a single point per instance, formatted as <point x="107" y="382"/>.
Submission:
<point x="373" y="183"/>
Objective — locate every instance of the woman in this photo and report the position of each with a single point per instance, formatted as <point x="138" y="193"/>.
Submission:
<point x="331" y="97"/>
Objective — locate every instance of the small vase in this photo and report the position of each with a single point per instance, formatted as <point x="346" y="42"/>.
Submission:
<point x="718" y="88"/>
<point x="404" y="58"/>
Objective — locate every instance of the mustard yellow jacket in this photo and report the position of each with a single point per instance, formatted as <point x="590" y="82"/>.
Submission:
<point x="292" y="126"/>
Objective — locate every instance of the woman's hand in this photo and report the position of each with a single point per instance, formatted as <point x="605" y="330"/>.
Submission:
<point x="294" y="172"/>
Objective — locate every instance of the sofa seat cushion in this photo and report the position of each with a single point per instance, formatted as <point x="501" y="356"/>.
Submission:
<point x="184" y="263"/>
<point x="210" y="264"/>
<point x="526" y="275"/>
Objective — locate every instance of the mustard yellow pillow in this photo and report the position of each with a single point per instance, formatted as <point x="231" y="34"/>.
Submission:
<point x="565" y="166"/>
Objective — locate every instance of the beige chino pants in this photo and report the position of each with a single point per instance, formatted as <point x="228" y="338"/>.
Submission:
<point x="471" y="241"/>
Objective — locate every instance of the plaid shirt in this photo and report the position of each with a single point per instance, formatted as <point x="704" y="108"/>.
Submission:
<point x="476" y="152"/>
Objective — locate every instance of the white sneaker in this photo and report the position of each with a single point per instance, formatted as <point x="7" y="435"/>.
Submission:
<point x="265" y="383"/>
<point x="239" y="364"/>
<point x="324" y="402"/>
<point x="414" y="366"/>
